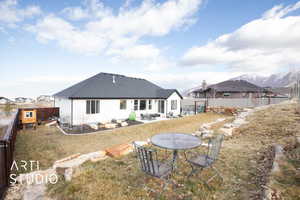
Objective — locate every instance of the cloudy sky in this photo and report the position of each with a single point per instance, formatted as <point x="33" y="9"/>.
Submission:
<point x="49" y="45"/>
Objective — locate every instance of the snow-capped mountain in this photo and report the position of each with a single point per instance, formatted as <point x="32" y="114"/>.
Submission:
<point x="279" y="80"/>
<point x="275" y="80"/>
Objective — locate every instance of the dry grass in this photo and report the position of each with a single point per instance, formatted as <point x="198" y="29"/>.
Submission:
<point x="122" y="179"/>
<point x="2" y="129"/>
<point x="47" y="144"/>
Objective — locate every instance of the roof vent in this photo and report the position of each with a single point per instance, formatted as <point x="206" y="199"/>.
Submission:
<point x="114" y="79"/>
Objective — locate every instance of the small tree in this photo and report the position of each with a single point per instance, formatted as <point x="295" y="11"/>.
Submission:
<point x="7" y="108"/>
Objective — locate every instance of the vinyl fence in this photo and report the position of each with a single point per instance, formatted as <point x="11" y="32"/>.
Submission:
<point x="244" y="102"/>
<point x="193" y="105"/>
<point x="295" y="91"/>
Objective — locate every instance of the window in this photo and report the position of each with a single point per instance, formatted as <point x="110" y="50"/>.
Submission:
<point x="92" y="106"/>
<point x="123" y="104"/>
<point x="28" y="114"/>
<point x="136" y="105"/>
<point x="142" y="104"/>
<point x="174" y="105"/>
<point x="150" y="104"/>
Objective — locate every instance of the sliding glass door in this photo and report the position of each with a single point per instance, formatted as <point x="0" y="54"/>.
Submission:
<point x="161" y="106"/>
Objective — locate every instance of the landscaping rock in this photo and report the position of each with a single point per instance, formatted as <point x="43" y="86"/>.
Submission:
<point x="119" y="150"/>
<point x="141" y="143"/>
<point x="227" y="131"/>
<point x="68" y="174"/>
<point x="278" y="156"/>
<point x="228" y="125"/>
<point x="68" y="158"/>
<point x="124" y="124"/>
<point x="35" y="192"/>
<point x="110" y="125"/>
<point x="52" y="123"/>
<point x="94" y="126"/>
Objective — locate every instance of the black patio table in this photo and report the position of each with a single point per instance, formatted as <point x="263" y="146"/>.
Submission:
<point x="175" y="142"/>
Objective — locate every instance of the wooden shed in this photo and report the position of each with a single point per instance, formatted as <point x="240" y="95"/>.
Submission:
<point x="28" y="116"/>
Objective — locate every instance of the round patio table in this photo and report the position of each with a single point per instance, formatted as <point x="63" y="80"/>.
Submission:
<point x="175" y="142"/>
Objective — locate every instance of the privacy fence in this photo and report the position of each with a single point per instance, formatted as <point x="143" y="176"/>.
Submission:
<point x="7" y="143"/>
<point x="7" y="146"/>
<point x="194" y="105"/>
<point x="295" y="90"/>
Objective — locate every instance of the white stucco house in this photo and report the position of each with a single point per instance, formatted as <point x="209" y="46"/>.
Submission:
<point x="104" y="97"/>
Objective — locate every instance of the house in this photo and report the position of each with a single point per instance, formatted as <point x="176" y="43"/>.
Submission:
<point x="4" y="100"/>
<point x="231" y="89"/>
<point x="21" y="100"/>
<point x="44" y="98"/>
<point x="105" y="96"/>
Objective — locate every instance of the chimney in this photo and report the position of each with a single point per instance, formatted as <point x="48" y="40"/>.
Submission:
<point x="204" y="85"/>
<point x="114" y="79"/>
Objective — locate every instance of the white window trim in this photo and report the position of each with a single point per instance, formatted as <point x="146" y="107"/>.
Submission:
<point x="91" y="106"/>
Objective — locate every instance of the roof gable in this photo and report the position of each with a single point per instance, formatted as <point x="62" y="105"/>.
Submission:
<point x="111" y="86"/>
<point x="236" y="86"/>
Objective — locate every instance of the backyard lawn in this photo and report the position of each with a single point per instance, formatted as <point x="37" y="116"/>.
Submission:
<point x="48" y="144"/>
<point x="244" y="160"/>
<point x="243" y="163"/>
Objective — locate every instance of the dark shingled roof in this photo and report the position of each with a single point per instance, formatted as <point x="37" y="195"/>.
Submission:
<point x="234" y="86"/>
<point x="115" y="86"/>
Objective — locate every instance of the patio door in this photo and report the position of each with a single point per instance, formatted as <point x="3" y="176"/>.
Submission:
<point x="161" y="106"/>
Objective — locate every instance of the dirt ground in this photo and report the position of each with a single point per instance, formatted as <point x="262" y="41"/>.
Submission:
<point x="239" y="163"/>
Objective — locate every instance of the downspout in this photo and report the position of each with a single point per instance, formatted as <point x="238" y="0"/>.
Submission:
<point x="71" y="112"/>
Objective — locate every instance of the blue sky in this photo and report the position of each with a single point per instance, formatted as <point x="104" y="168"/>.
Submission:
<point x="47" y="46"/>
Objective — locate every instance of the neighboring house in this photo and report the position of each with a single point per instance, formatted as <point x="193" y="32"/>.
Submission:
<point x="111" y="96"/>
<point x="21" y="100"/>
<point x="4" y="100"/>
<point x="231" y="89"/>
<point x="44" y="98"/>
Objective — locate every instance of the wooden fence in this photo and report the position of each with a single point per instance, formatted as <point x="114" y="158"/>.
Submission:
<point x="7" y="144"/>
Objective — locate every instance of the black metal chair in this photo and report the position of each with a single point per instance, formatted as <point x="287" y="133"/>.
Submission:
<point x="150" y="164"/>
<point x="199" y="162"/>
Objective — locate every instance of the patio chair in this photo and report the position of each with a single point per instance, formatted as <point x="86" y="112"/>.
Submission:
<point x="150" y="164"/>
<point x="199" y="162"/>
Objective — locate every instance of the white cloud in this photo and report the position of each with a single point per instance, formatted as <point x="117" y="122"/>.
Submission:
<point x="186" y="80"/>
<point x="11" y="14"/>
<point x="136" y="52"/>
<point x="116" y="33"/>
<point x="280" y="11"/>
<point x="90" y="9"/>
<point x="52" y="28"/>
<point x="265" y="44"/>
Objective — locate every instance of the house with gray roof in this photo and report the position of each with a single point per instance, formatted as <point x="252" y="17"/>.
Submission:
<point x="231" y="89"/>
<point x="105" y="96"/>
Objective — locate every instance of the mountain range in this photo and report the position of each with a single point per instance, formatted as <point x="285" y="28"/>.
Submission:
<point x="275" y="80"/>
<point x="279" y="80"/>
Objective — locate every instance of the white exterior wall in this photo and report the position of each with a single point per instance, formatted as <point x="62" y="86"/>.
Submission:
<point x="65" y="107"/>
<point x="176" y="97"/>
<point x="109" y="109"/>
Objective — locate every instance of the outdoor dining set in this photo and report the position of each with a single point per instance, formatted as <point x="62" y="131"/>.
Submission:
<point x="179" y="142"/>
